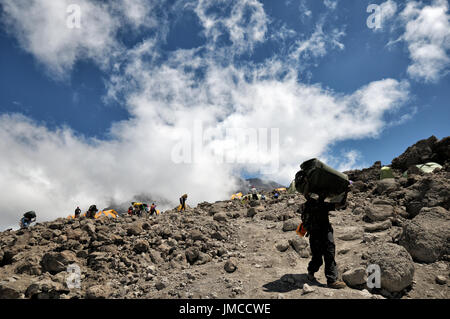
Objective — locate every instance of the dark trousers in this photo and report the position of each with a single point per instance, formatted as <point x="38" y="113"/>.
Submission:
<point x="322" y="247"/>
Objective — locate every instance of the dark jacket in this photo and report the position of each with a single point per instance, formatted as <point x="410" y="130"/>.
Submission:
<point x="315" y="216"/>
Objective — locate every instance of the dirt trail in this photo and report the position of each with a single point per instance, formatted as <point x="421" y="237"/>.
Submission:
<point x="263" y="272"/>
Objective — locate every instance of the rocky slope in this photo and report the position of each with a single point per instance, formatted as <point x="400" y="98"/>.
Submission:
<point x="230" y="249"/>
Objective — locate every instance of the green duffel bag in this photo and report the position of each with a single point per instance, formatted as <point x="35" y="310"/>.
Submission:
<point x="319" y="178"/>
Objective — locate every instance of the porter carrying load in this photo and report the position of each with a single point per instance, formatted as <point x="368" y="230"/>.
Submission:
<point x="318" y="178"/>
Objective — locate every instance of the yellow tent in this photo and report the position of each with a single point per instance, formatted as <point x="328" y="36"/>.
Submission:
<point x="106" y="213"/>
<point x="281" y="189"/>
<point x="236" y="196"/>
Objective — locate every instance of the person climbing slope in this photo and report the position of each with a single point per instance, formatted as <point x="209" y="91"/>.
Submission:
<point x="27" y="219"/>
<point x="77" y="212"/>
<point x="91" y="211"/>
<point x="153" y="209"/>
<point x="317" y="224"/>
<point x="183" y="202"/>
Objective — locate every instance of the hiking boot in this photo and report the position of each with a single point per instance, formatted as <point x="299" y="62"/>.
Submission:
<point x="311" y="276"/>
<point x="337" y="285"/>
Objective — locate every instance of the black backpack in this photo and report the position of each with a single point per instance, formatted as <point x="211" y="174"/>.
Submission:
<point x="30" y="215"/>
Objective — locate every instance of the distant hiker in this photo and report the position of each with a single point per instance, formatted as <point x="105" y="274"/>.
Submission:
<point x="183" y="202"/>
<point x="139" y="210"/>
<point x="316" y="222"/>
<point x="276" y="195"/>
<point x="153" y="209"/>
<point x="77" y="212"/>
<point x="92" y="211"/>
<point x="130" y="210"/>
<point x="27" y="219"/>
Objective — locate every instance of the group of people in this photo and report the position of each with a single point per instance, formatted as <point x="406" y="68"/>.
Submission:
<point x="89" y="214"/>
<point x="138" y="209"/>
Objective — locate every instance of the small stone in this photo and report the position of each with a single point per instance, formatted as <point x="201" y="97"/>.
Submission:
<point x="282" y="246"/>
<point x="251" y="212"/>
<point x="291" y="224"/>
<point x="160" y="285"/>
<point x="141" y="246"/>
<point x="231" y="265"/>
<point x="441" y="280"/>
<point x="307" y="289"/>
<point x="220" y="217"/>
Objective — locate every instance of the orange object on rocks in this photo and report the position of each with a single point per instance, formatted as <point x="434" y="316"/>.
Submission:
<point x="301" y="231"/>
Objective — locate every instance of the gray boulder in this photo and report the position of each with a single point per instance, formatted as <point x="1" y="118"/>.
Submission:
<point x="29" y="265"/>
<point x="282" y="245"/>
<point x="380" y="226"/>
<point x="9" y="291"/>
<point x="387" y="185"/>
<point x="134" y="229"/>
<point x="291" y="224"/>
<point x="375" y="213"/>
<point x="251" y="212"/>
<point x="196" y="234"/>
<point x="192" y="254"/>
<point x="350" y="233"/>
<point x="97" y="292"/>
<point x="55" y="262"/>
<point x="141" y="246"/>
<point x="396" y="265"/>
<point x="220" y="217"/>
<point x="427" y="236"/>
<point x="300" y="245"/>
<point x="355" y="277"/>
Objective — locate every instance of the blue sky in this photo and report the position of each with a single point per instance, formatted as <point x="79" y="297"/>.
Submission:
<point x="122" y="91"/>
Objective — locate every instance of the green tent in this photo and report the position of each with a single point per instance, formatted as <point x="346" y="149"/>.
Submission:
<point x="386" y="172"/>
<point x="428" y="167"/>
<point x="425" y="168"/>
<point x="292" y="188"/>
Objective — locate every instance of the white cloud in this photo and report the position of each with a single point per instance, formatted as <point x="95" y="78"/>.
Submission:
<point x="233" y="23"/>
<point x="41" y="28"/>
<point x="348" y="160"/>
<point x="303" y="8"/>
<point x="54" y="171"/>
<point x="388" y="11"/>
<point x="427" y="34"/>
<point x="318" y="44"/>
<point x="330" y="4"/>
<point x="136" y="12"/>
